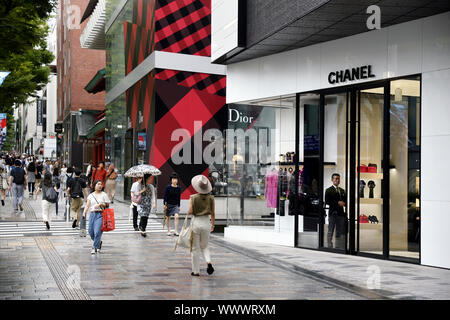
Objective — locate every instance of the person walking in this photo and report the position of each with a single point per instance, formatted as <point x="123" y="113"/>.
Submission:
<point x="89" y="170"/>
<point x="46" y="184"/>
<point x="39" y="169"/>
<point x="17" y="185"/>
<point x="97" y="201"/>
<point x="201" y="206"/>
<point x="137" y="189"/>
<point x="31" y="178"/>
<point x="99" y="174"/>
<point x="76" y="189"/>
<point x="172" y="197"/>
<point x="64" y="178"/>
<point x="110" y="185"/>
<point x="57" y="181"/>
<point x="148" y="203"/>
<point x="3" y="183"/>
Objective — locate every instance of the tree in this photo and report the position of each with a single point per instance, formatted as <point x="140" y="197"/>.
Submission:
<point x="23" y="52"/>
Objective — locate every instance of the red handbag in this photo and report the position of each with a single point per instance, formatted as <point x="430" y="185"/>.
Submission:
<point x="363" y="168"/>
<point x="109" y="223"/>
<point x="363" y="219"/>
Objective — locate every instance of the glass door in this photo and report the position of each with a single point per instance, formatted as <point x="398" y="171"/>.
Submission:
<point x="369" y="154"/>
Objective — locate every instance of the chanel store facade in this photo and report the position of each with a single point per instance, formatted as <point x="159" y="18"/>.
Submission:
<point x="373" y="108"/>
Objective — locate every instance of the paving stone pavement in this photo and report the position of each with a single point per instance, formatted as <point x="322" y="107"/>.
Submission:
<point x="134" y="268"/>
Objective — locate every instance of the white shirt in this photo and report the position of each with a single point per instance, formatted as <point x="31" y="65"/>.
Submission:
<point x="96" y="199"/>
<point x="136" y="188"/>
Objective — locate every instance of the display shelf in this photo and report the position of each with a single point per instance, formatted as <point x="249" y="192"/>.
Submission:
<point x="371" y="201"/>
<point x="370" y="176"/>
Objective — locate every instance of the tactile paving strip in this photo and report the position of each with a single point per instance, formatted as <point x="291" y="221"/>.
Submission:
<point x="59" y="270"/>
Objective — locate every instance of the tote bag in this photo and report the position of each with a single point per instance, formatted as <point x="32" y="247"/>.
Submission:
<point x="186" y="236"/>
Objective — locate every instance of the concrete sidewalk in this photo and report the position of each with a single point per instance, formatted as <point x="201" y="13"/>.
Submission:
<point x="396" y="280"/>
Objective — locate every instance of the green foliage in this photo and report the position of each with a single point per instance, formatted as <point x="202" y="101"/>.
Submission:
<point x="23" y="52"/>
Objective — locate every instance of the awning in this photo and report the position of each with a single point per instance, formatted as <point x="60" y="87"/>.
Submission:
<point x="97" y="128"/>
<point x="85" y="120"/>
<point x="97" y="83"/>
<point x="89" y="9"/>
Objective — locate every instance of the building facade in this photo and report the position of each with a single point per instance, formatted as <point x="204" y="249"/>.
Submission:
<point x="368" y="105"/>
<point x="72" y="97"/>
<point x="159" y="79"/>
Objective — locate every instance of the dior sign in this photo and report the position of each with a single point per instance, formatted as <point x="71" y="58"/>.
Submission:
<point x="358" y="73"/>
<point x="236" y="116"/>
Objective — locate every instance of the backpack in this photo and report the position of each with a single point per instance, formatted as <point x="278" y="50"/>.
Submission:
<point x="76" y="190"/>
<point x="19" y="176"/>
<point x="51" y="195"/>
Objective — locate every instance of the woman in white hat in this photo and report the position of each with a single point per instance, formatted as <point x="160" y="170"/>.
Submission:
<point x="201" y="206"/>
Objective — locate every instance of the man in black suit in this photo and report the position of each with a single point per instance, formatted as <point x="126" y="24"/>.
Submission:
<point x="335" y="198"/>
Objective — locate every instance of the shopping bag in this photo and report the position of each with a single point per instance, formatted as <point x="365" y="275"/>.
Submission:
<point x="186" y="236"/>
<point x="83" y="227"/>
<point x="108" y="220"/>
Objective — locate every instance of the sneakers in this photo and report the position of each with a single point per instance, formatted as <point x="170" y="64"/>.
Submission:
<point x="143" y="233"/>
<point x="210" y="269"/>
<point x="47" y="225"/>
<point x="136" y="229"/>
<point x="93" y="251"/>
<point x="74" y="223"/>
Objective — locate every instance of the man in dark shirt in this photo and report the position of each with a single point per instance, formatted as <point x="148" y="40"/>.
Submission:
<point x="335" y="198"/>
<point x="172" y="196"/>
<point x="76" y="188"/>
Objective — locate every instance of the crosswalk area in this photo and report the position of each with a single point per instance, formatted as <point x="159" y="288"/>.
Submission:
<point x="63" y="228"/>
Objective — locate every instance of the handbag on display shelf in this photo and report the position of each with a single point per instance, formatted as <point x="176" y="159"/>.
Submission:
<point x="363" y="219"/>
<point x="109" y="223"/>
<point x="186" y="236"/>
<point x="372" y="168"/>
<point x="363" y="168"/>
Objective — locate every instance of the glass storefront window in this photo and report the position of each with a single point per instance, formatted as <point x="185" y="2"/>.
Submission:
<point x="115" y="47"/>
<point x="115" y="144"/>
<point x="404" y="238"/>
<point x="261" y="167"/>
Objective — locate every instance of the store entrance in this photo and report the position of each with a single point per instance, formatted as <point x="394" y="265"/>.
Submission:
<point x="370" y="161"/>
<point x="353" y="177"/>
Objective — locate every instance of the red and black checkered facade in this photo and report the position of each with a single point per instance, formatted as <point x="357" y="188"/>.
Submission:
<point x="166" y="100"/>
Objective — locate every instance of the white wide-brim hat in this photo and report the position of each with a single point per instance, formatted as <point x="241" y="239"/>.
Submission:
<point x="201" y="184"/>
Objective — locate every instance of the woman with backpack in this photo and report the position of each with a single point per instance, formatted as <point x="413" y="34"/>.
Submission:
<point x="49" y="196"/>
<point x="31" y="178"/>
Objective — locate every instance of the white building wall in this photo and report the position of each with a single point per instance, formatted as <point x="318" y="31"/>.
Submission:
<point x="416" y="47"/>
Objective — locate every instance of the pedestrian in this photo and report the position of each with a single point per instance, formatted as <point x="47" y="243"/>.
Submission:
<point x="31" y="178"/>
<point x="57" y="181"/>
<point x="64" y="178"/>
<point x="148" y="203"/>
<point x="110" y="185"/>
<point x="3" y="183"/>
<point x="201" y="206"/>
<point x="76" y="189"/>
<point x="97" y="201"/>
<point x="46" y="184"/>
<point x="39" y="169"/>
<point x="89" y="171"/>
<point x="17" y="184"/>
<point x="99" y="173"/>
<point x="137" y="189"/>
<point x="172" y="197"/>
<point x="68" y="176"/>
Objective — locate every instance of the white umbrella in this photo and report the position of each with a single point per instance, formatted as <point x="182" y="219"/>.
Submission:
<point x="140" y="170"/>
